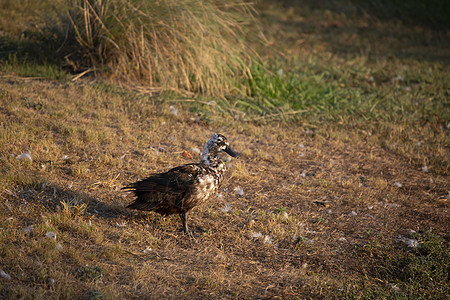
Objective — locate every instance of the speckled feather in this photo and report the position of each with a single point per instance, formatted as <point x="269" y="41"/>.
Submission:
<point x="182" y="188"/>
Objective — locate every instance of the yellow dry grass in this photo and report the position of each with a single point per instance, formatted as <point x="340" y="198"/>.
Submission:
<point x="182" y="46"/>
<point x="308" y="202"/>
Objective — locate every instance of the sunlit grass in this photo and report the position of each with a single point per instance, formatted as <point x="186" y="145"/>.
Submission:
<point x="343" y="144"/>
<point x="183" y="46"/>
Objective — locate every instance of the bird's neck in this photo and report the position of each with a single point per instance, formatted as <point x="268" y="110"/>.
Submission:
<point x="212" y="160"/>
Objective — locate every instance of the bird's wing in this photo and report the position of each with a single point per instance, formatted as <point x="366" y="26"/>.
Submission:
<point x="175" y="181"/>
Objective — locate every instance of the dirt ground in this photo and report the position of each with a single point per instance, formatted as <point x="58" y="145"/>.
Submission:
<point x="303" y="213"/>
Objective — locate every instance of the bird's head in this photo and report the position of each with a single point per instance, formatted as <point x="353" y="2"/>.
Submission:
<point x="216" y="144"/>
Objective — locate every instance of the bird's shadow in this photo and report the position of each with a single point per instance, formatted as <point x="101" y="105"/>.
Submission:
<point x="54" y="197"/>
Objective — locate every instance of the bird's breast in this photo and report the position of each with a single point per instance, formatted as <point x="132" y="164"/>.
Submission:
<point x="208" y="185"/>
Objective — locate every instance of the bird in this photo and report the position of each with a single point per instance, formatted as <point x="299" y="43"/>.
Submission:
<point x="182" y="188"/>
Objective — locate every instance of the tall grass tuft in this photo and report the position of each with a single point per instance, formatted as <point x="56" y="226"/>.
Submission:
<point x="178" y="45"/>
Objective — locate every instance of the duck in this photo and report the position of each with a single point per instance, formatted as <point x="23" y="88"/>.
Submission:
<point x="182" y="188"/>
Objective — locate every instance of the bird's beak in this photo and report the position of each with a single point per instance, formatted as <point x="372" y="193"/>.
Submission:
<point x="231" y="152"/>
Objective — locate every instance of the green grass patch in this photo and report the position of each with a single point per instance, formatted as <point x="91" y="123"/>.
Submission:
<point x="418" y="270"/>
<point x="26" y="67"/>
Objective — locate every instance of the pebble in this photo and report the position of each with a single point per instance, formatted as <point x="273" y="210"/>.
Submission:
<point x="268" y="240"/>
<point x="51" y="235"/>
<point x="3" y="274"/>
<point x="256" y="234"/>
<point x="28" y="229"/>
<point x="173" y="110"/>
<point x="412" y="243"/>
<point x="239" y="190"/>
<point x="25" y="156"/>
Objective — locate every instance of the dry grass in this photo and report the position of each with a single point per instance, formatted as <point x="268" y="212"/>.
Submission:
<point x="291" y="234"/>
<point x="181" y="46"/>
<point x="324" y="198"/>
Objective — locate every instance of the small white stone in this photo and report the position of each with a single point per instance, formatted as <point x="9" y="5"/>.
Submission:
<point x="353" y="213"/>
<point x="148" y="249"/>
<point x="256" y="235"/>
<point x="268" y="240"/>
<point x="280" y="72"/>
<point x="173" y="110"/>
<point x="412" y="243"/>
<point x="398" y="184"/>
<point x="425" y="169"/>
<point x="28" y="229"/>
<point x="24" y="156"/>
<point x="342" y="239"/>
<point x="51" y="235"/>
<point x="239" y="190"/>
<point x="51" y="281"/>
<point x="3" y="274"/>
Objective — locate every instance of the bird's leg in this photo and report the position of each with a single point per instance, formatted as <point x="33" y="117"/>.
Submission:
<point x="183" y="219"/>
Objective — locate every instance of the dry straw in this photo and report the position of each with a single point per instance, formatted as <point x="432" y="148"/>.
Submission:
<point x="179" y="45"/>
